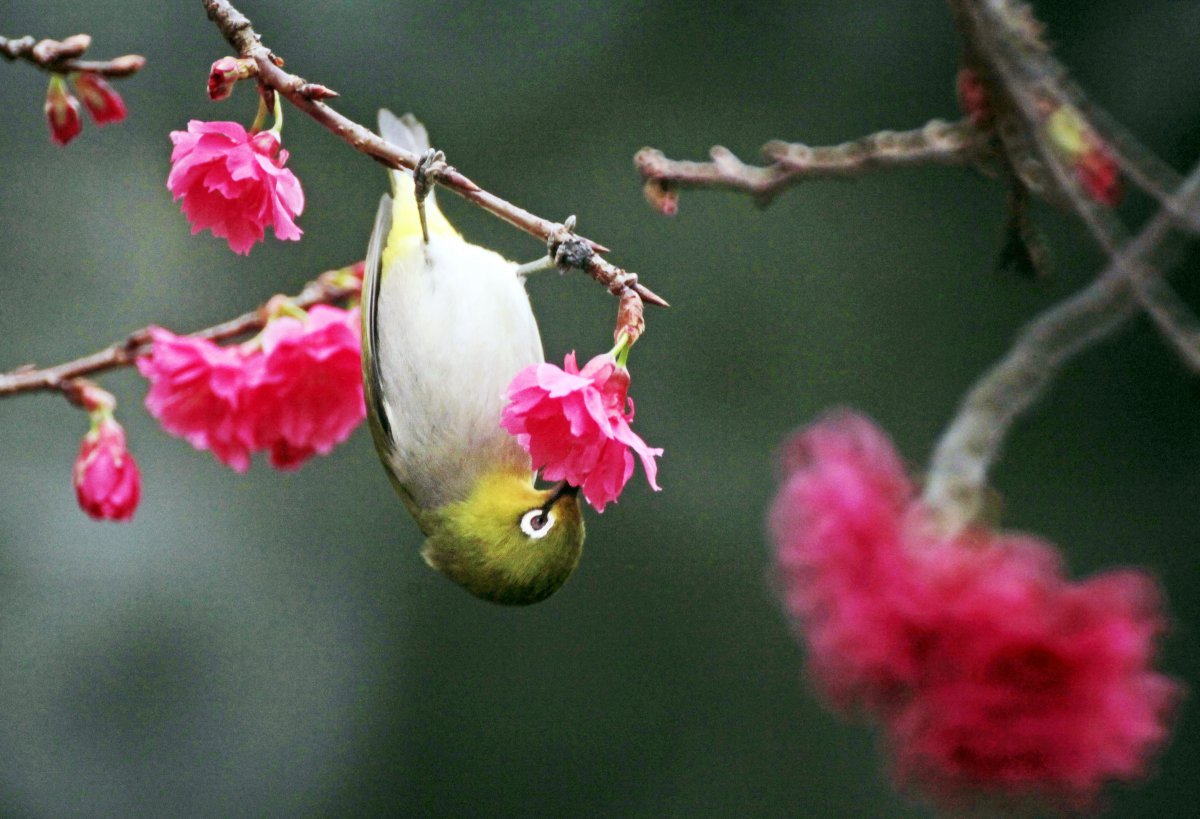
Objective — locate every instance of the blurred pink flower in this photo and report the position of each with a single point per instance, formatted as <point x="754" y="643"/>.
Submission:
<point x="575" y="426"/>
<point x="197" y="391"/>
<point x="310" y="396"/>
<point x="989" y="671"/>
<point x="1099" y="175"/>
<point x="1035" y="686"/>
<point x="62" y="112"/>
<point x="106" y="477"/>
<point x="102" y="101"/>
<point x="838" y="524"/>
<point x="234" y="184"/>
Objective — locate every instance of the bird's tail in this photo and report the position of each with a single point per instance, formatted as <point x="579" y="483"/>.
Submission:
<point x="407" y="132"/>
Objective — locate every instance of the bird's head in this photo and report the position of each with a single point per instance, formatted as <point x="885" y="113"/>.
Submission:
<point x="507" y="542"/>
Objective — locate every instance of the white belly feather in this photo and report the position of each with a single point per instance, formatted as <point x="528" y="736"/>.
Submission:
<point x="455" y="326"/>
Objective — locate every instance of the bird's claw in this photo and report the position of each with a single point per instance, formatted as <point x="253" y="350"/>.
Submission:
<point x="567" y="249"/>
<point x="429" y="168"/>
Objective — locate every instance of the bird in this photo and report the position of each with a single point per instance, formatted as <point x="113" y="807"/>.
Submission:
<point x="446" y="326"/>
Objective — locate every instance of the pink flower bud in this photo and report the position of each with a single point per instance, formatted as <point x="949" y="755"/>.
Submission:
<point x="103" y="103"/>
<point x="225" y="74"/>
<point x="973" y="97"/>
<point x="62" y="112"/>
<point x="107" y="482"/>
<point x="575" y="426"/>
<point x="234" y="184"/>
<point x="1099" y="175"/>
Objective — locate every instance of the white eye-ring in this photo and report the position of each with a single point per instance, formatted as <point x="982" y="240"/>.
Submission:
<point x="536" y="523"/>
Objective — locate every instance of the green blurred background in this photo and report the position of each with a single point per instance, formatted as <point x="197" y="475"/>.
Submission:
<point x="271" y="644"/>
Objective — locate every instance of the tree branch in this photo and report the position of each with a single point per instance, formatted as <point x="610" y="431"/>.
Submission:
<point x="240" y="34"/>
<point x="938" y="142"/>
<point x="958" y="469"/>
<point x="330" y="287"/>
<point x="61" y="57"/>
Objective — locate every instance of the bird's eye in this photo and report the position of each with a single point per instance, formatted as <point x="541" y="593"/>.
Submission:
<point x="537" y="522"/>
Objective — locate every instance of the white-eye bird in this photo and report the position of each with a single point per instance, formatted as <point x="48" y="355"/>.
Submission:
<point x="446" y="326"/>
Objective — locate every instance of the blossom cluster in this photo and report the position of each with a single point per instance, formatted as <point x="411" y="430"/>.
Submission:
<point x="575" y="425"/>
<point x="62" y="109"/>
<point x="294" y="391"/>
<point x="990" y="672"/>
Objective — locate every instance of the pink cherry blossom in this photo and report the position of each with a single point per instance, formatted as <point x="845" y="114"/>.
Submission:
<point x="295" y="392"/>
<point x="990" y="672"/>
<point x="62" y="112"/>
<point x="310" y="396"/>
<point x="197" y="392"/>
<point x="102" y="101"/>
<point x="575" y="425"/>
<point x="234" y="183"/>
<point x="106" y="477"/>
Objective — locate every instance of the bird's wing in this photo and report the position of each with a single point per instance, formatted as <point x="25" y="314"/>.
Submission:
<point x="377" y="410"/>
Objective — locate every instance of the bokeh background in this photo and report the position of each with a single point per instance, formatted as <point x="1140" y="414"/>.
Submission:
<point x="271" y="644"/>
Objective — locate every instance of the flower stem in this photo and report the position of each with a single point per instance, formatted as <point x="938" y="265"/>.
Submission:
<point x="260" y="117"/>
<point x="957" y="477"/>
<point x="621" y="351"/>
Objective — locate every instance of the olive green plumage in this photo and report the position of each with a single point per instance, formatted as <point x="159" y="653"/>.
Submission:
<point x="446" y="325"/>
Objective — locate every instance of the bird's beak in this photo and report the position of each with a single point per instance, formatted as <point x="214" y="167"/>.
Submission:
<point x="561" y="489"/>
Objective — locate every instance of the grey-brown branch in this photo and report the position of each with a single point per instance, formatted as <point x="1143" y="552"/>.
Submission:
<point x="957" y="477"/>
<point x="328" y="288"/>
<point x="62" y="57"/>
<point x="308" y="97"/>
<point x="788" y="163"/>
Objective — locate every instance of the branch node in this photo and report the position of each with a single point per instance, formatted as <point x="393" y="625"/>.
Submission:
<point x="567" y="249"/>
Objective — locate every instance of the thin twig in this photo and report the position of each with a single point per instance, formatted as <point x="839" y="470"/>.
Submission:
<point x="61" y="57"/>
<point x="1025" y="93"/>
<point x="328" y="288"/>
<point x="1171" y="315"/>
<point x="958" y="469"/>
<point x="937" y="142"/>
<point x="240" y="34"/>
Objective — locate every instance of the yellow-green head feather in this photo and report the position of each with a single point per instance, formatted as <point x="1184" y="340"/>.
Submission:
<point x="507" y="542"/>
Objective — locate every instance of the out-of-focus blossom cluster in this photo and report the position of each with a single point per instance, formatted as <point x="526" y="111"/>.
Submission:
<point x="990" y="672"/>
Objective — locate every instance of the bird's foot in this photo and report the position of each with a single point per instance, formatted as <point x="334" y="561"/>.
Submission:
<point x="430" y="167"/>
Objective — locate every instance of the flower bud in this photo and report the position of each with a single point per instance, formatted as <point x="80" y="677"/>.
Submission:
<point x="106" y="477"/>
<point x="62" y="112"/>
<point x="973" y="97"/>
<point x="225" y="73"/>
<point x="103" y="103"/>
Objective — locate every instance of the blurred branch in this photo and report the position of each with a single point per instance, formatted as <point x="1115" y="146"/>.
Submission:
<point x="564" y="246"/>
<point x="938" y="142"/>
<point x="61" y="57"/>
<point x="958" y="469"/>
<point x="1170" y="314"/>
<point x="330" y="287"/>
